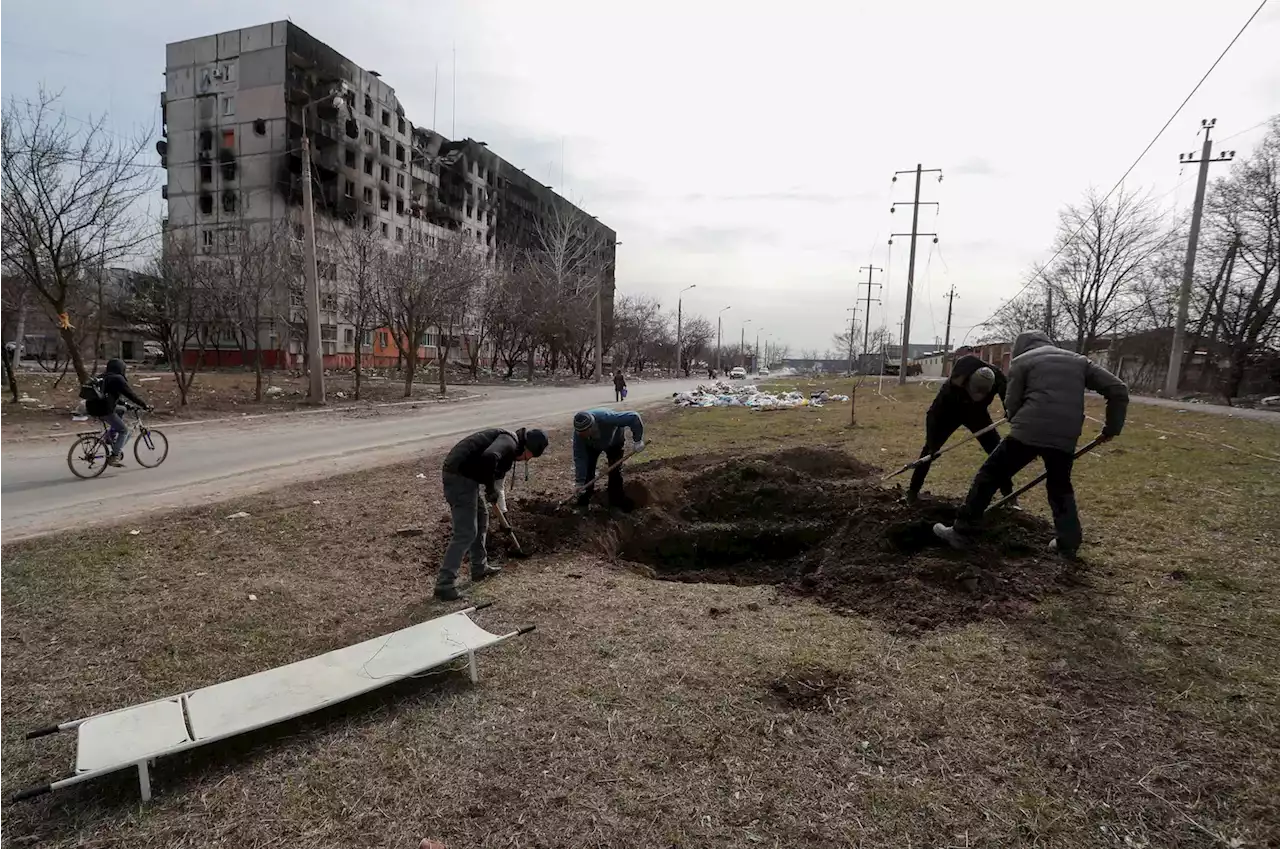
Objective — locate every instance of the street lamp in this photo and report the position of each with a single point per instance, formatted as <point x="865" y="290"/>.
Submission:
<point x="742" y="343"/>
<point x="755" y="355"/>
<point x="315" y="354"/>
<point x="679" y="305"/>
<point x="719" y="348"/>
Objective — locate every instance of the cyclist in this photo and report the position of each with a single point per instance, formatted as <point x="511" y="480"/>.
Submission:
<point x="107" y="407"/>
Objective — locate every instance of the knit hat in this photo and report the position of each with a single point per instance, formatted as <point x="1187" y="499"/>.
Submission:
<point x="980" y="382"/>
<point x="536" y="441"/>
<point x="583" y="422"/>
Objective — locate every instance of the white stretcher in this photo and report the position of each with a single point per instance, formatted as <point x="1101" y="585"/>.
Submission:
<point x="136" y="736"/>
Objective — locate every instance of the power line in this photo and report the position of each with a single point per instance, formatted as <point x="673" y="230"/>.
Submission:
<point x="1039" y="272"/>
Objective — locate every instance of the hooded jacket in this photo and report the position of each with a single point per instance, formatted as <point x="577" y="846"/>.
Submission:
<point x="609" y="431"/>
<point x="114" y="387"/>
<point x="486" y="456"/>
<point x="957" y="398"/>
<point x="1045" y="398"/>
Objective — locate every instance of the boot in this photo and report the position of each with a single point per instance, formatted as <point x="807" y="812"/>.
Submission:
<point x="910" y="497"/>
<point x="489" y="571"/>
<point x="1066" y="554"/>
<point x="449" y="593"/>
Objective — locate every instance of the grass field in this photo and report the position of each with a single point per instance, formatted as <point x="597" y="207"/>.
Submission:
<point x="1138" y="708"/>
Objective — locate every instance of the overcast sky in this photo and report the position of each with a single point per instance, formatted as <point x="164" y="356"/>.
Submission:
<point x="748" y="148"/>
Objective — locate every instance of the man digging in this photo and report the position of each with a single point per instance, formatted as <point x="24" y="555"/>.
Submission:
<point x="1045" y="407"/>
<point x="482" y="459"/>
<point x="596" y="431"/>
<point x="962" y="402"/>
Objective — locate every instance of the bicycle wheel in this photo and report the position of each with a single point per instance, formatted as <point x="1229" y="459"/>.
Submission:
<point x="150" y="448"/>
<point x="87" y="457"/>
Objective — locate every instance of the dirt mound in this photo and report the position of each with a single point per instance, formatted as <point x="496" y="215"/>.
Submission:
<point x="810" y="520"/>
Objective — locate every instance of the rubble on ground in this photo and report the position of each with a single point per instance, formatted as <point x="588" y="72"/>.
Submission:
<point x="721" y="394"/>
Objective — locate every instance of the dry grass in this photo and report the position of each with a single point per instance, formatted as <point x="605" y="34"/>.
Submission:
<point x="1138" y="710"/>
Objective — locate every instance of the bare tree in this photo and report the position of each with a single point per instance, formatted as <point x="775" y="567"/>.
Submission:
<point x="1244" y="210"/>
<point x="1024" y="312"/>
<point x="244" y="281"/>
<point x="359" y="258"/>
<point x="567" y="268"/>
<point x="170" y="303"/>
<point x="70" y="204"/>
<point x="456" y="270"/>
<point x="1105" y="247"/>
<point x="695" y="337"/>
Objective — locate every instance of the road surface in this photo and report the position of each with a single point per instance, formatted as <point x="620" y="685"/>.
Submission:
<point x="213" y="461"/>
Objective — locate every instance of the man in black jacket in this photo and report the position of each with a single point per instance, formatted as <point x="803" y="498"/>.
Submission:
<point x="482" y="459"/>
<point x="961" y="402"/>
<point x="113" y="386"/>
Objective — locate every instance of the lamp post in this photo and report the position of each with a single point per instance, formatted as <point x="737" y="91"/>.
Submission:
<point x="755" y="354"/>
<point x="742" y="343"/>
<point x="315" y="353"/>
<point x="719" y="347"/>
<point x="679" y="349"/>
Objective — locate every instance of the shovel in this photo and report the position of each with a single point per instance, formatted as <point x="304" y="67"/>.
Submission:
<point x="581" y="489"/>
<point x="1085" y="450"/>
<point x="931" y="457"/>
<point x="517" y="552"/>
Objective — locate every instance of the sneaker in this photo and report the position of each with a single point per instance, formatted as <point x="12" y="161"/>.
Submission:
<point x="447" y="594"/>
<point x="1012" y="504"/>
<point x="950" y="536"/>
<point x="1054" y="548"/>
<point x="116" y="460"/>
<point x="486" y="572"/>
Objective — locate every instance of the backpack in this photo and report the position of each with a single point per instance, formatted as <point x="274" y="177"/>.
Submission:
<point x="93" y="391"/>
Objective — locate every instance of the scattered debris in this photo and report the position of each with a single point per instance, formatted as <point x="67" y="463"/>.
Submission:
<point x="421" y="475"/>
<point x="134" y="533"/>
<point x="240" y="515"/>
<point x="252" y="597"/>
<point x="274" y="391"/>
<point x="409" y="532"/>
<point x="721" y="394"/>
<point x="315" y="502"/>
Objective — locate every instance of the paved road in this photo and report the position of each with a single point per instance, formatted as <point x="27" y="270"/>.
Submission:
<point x="1257" y="415"/>
<point x="210" y="462"/>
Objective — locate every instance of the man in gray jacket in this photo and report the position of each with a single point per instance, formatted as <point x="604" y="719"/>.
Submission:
<point x="1045" y="407"/>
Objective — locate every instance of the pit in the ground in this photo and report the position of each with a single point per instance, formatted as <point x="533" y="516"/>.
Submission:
<point x="815" y="521"/>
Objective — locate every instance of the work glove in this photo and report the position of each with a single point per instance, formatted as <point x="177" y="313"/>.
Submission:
<point x="638" y="445"/>
<point x="502" y="501"/>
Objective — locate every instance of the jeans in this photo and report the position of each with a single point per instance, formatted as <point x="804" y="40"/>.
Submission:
<point x="938" y="427"/>
<point x="1010" y="457"/>
<point x="116" y="423"/>
<point x="612" y="454"/>
<point x="617" y="393"/>
<point x="470" y="528"/>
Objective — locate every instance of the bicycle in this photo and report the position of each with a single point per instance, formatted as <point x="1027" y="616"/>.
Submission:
<point x="150" y="448"/>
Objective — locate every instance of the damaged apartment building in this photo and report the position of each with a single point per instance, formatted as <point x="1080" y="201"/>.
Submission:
<point x="234" y="110"/>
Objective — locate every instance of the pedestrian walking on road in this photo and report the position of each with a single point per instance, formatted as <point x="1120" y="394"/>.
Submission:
<point x="481" y="460"/>
<point x="1044" y="403"/>
<point x="619" y="386"/>
<point x="961" y="402"/>
<point x="596" y="431"/>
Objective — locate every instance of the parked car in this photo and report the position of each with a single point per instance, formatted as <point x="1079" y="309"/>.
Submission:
<point x="153" y="354"/>
<point x="738" y="373"/>
<point x="764" y="372"/>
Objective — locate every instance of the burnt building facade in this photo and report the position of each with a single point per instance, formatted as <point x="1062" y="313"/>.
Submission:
<point x="235" y="109"/>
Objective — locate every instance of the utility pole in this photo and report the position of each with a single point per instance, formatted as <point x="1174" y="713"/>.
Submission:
<point x="315" y="354"/>
<point x="946" y="342"/>
<point x="866" y="316"/>
<point x="1188" y="270"/>
<point x="742" y="343"/>
<point x="853" y="323"/>
<point x="679" y="328"/>
<point x="911" y="261"/>
<point x="719" y="330"/>
<point x="755" y="353"/>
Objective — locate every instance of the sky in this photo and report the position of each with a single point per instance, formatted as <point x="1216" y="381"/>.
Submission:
<point x="748" y="149"/>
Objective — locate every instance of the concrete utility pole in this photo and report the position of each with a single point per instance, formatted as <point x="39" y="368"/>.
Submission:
<point x="755" y="353"/>
<point x="866" y="316"/>
<point x="911" y="262"/>
<point x="946" y="342"/>
<point x="853" y="323"/>
<point x="719" y="329"/>
<point x="1188" y="270"/>
<point x="742" y="343"/>
<point x="679" y="311"/>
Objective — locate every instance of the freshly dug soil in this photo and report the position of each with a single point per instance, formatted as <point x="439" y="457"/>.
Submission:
<point x="816" y="522"/>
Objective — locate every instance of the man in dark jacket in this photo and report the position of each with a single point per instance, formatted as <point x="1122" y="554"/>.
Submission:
<point x="619" y="384"/>
<point x="113" y="387"/>
<point x="596" y="431"/>
<point x="961" y="402"/>
<point x="481" y="460"/>
<point x="1045" y="407"/>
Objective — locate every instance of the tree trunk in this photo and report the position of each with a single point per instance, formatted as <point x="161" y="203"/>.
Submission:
<point x="411" y="366"/>
<point x="1235" y="376"/>
<point x="357" y="361"/>
<point x="73" y="353"/>
<point x="9" y="374"/>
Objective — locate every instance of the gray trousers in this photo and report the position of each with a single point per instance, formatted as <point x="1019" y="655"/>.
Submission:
<point x="470" y="528"/>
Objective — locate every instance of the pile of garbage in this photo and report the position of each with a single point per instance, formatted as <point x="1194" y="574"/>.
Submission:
<point x="721" y="394"/>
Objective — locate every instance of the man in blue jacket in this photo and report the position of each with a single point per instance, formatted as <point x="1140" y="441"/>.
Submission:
<point x="595" y="431"/>
<point x="1044" y="404"/>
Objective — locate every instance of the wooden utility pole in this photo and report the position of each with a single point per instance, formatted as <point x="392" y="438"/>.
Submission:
<point x="911" y="261"/>
<point x="866" y="315"/>
<point x="1174" y="376"/>
<point x="853" y="324"/>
